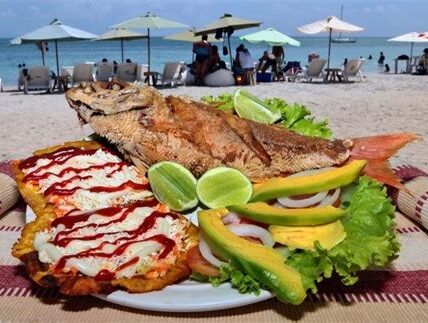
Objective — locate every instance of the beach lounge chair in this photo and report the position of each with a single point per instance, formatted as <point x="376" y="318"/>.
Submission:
<point x="82" y="73"/>
<point x="127" y="72"/>
<point x="141" y="69"/>
<point x="353" y="68"/>
<point x="105" y="71"/>
<point x="171" y="75"/>
<point x="314" y="69"/>
<point x="37" y="78"/>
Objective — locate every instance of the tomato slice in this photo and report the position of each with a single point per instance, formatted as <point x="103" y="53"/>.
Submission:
<point x="199" y="265"/>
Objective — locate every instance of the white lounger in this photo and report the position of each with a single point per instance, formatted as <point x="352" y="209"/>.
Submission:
<point x="127" y="72"/>
<point x="38" y="78"/>
<point x="82" y="73"/>
<point x="314" y="69"/>
<point x="171" y="74"/>
<point x="105" y="71"/>
<point x="353" y="68"/>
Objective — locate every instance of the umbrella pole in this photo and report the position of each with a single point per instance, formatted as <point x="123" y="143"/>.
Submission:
<point x="57" y="60"/>
<point x="148" y="51"/>
<point x="230" y="51"/>
<point x="121" y="47"/>
<point x="43" y="57"/>
<point x="410" y="58"/>
<point x="329" y="49"/>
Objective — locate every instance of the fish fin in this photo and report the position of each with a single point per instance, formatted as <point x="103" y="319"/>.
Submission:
<point x="377" y="150"/>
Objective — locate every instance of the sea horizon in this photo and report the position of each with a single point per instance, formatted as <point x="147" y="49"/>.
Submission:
<point x="72" y="53"/>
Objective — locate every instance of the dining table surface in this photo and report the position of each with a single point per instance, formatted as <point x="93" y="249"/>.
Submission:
<point x="397" y="293"/>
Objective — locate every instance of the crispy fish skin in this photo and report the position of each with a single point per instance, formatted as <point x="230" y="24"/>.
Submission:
<point x="148" y="128"/>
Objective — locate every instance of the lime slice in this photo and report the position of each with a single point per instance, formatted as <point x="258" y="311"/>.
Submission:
<point x="248" y="106"/>
<point x="223" y="186"/>
<point x="173" y="185"/>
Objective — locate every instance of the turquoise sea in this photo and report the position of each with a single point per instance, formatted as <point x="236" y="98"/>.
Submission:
<point x="71" y="53"/>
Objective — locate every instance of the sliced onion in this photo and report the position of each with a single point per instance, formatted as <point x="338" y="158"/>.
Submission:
<point x="231" y="218"/>
<point x="207" y="253"/>
<point x="314" y="199"/>
<point x="251" y="230"/>
<point x="331" y="199"/>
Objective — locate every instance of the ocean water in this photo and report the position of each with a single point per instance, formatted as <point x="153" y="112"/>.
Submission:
<point x="71" y="53"/>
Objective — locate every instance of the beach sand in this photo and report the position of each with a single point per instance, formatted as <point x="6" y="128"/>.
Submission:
<point x="381" y="104"/>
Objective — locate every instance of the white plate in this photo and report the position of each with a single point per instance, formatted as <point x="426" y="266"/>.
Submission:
<point x="188" y="296"/>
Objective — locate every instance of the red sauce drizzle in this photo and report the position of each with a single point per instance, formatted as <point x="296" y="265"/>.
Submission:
<point x="33" y="176"/>
<point x="32" y="161"/>
<point x="147" y="224"/>
<point x="101" y="189"/>
<point x="58" y="185"/>
<point x="104" y="275"/>
<point x="70" y="221"/>
<point x="168" y="245"/>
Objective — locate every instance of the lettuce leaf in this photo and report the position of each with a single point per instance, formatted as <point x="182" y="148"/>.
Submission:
<point x="242" y="282"/>
<point x="295" y="117"/>
<point x="370" y="240"/>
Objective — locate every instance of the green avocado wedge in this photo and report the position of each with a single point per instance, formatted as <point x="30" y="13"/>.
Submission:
<point x="324" y="181"/>
<point x="265" y="213"/>
<point x="263" y="263"/>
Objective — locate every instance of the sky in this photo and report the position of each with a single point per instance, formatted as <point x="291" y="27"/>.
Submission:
<point x="379" y="18"/>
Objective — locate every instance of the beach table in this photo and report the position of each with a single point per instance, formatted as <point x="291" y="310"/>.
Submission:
<point x="398" y="293"/>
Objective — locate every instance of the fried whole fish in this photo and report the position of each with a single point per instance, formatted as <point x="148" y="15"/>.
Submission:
<point x="147" y="127"/>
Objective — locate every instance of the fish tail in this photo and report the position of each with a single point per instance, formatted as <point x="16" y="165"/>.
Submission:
<point x="377" y="150"/>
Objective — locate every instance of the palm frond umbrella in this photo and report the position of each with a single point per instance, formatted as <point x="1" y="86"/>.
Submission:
<point x="227" y="24"/>
<point x="412" y="38"/>
<point x="190" y="37"/>
<point x="121" y="34"/>
<point x="149" y="21"/>
<point x="55" y="31"/>
<point x="270" y="36"/>
<point x="329" y="25"/>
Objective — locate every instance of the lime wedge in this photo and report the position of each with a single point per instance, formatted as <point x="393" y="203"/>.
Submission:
<point x="248" y="106"/>
<point x="223" y="186"/>
<point x="173" y="185"/>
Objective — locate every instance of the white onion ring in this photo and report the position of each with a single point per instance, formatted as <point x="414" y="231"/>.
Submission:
<point x="207" y="253"/>
<point x="251" y="230"/>
<point x="231" y="217"/>
<point x="331" y="199"/>
<point x="314" y="199"/>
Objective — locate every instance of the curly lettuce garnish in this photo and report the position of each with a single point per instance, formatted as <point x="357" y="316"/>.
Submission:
<point x="295" y="117"/>
<point x="370" y="238"/>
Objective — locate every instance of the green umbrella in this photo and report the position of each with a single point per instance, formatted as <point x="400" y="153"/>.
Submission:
<point x="271" y="37"/>
<point x="122" y="34"/>
<point x="149" y="21"/>
<point x="227" y="24"/>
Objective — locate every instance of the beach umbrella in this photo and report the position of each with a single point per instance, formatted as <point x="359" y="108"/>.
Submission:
<point x="227" y="24"/>
<point x="412" y="38"/>
<point x="271" y="37"/>
<point x="329" y="25"/>
<point x="189" y="36"/>
<point x="56" y="32"/>
<point x="149" y="21"/>
<point x="121" y="34"/>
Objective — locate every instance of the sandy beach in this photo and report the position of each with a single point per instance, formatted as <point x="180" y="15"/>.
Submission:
<point x="381" y="104"/>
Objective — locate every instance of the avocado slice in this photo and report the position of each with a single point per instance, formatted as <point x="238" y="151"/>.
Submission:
<point x="327" y="180"/>
<point x="265" y="264"/>
<point x="265" y="213"/>
<point x="328" y="235"/>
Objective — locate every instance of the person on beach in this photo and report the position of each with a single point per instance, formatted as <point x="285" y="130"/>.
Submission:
<point x="243" y="60"/>
<point x="279" y="53"/>
<point x="128" y="60"/>
<point x="215" y="62"/>
<point x="267" y="60"/>
<point x="422" y="68"/>
<point x="381" y="59"/>
<point x="202" y="49"/>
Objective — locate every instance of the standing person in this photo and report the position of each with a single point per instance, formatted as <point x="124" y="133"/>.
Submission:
<point x="202" y="49"/>
<point x="279" y="53"/>
<point x="215" y="62"/>
<point x="381" y="61"/>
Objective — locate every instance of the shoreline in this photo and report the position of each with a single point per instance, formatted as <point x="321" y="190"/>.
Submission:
<point x="381" y="104"/>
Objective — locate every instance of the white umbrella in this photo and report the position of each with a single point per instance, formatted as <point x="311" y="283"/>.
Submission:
<point x="149" y="21"/>
<point x="412" y="38"/>
<point x="329" y="25"/>
<point x="121" y="34"/>
<point x="55" y="31"/>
